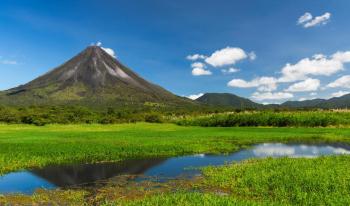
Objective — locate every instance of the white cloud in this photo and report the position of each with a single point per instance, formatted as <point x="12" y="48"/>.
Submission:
<point x="252" y="55"/>
<point x="262" y="83"/>
<point x="8" y="62"/>
<point x="305" y="98"/>
<point x="99" y="43"/>
<point x="319" y="64"/>
<point x="198" y="69"/>
<point x="308" y="21"/>
<point x="305" y="18"/>
<point x="339" y="93"/>
<point x="195" y="96"/>
<point x="307" y="85"/>
<point x="198" y="65"/>
<point x="107" y="50"/>
<point x="229" y="70"/>
<point x="313" y="93"/>
<point x="200" y="72"/>
<point x="272" y="95"/>
<point x="226" y="56"/>
<point x="318" y="20"/>
<point x="342" y="56"/>
<point x="195" y="57"/>
<point x="343" y="82"/>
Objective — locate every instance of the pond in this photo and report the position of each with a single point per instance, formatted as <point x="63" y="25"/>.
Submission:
<point x="87" y="175"/>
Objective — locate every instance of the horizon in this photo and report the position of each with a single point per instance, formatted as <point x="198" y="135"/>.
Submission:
<point x="268" y="52"/>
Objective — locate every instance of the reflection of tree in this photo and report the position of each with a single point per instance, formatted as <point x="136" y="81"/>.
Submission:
<point x="69" y="175"/>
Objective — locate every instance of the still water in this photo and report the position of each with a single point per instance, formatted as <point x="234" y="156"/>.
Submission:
<point x="64" y="176"/>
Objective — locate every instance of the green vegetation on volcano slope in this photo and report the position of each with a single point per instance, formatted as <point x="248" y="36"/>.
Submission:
<point x="25" y="146"/>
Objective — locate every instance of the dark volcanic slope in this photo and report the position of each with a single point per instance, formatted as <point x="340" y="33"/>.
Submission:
<point x="92" y="77"/>
<point x="228" y="100"/>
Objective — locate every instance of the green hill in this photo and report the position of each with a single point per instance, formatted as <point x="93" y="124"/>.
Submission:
<point x="228" y="100"/>
<point x="303" y="104"/>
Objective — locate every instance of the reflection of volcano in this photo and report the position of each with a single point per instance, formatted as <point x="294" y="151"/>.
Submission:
<point x="69" y="175"/>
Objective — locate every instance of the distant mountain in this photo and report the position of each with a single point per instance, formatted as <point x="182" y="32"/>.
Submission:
<point x="231" y="100"/>
<point x="227" y="100"/>
<point x="337" y="102"/>
<point x="93" y="77"/>
<point x="303" y="104"/>
<point x="333" y="103"/>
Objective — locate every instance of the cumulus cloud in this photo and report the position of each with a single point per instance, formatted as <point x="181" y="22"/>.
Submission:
<point x="339" y="93"/>
<point x="195" y="57"/>
<point x="223" y="57"/>
<point x="272" y="95"/>
<point x="307" y="85"/>
<point x="198" y="69"/>
<point x="343" y="82"/>
<point x="195" y="96"/>
<point x="266" y="84"/>
<point x="200" y="72"/>
<point x="226" y="56"/>
<point x="313" y="94"/>
<point x="308" y="21"/>
<point x="305" y="18"/>
<point x="107" y="50"/>
<point x="229" y="70"/>
<point x="319" y="64"/>
<point x="198" y="65"/>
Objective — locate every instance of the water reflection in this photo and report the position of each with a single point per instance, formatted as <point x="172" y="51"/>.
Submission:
<point x="279" y="150"/>
<point x="88" y="174"/>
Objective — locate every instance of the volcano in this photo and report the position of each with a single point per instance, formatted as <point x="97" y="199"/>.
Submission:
<point x="92" y="77"/>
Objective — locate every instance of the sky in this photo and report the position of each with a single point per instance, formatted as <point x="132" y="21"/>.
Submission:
<point x="267" y="50"/>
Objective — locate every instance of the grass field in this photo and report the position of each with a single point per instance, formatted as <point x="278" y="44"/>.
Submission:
<point x="24" y="146"/>
<point x="269" y="118"/>
<point x="255" y="182"/>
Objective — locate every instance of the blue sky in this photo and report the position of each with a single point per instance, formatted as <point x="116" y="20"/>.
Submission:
<point x="155" y="37"/>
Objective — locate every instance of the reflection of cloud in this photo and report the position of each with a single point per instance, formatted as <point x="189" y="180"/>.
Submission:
<point x="340" y="151"/>
<point x="266" y="150"/>
<point x="278" y="150"/>
<point x="199" y="155"/>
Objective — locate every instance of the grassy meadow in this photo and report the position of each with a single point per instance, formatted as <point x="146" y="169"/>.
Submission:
<point x="285" y="181"/>
<point x="26" y="146"/>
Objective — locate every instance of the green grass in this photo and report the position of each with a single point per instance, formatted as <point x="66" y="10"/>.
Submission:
<point x="25" y="146"/>
<point x="319" y="181"/>
<point x="189" y="199"/>
<point x="269" y="118"/>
